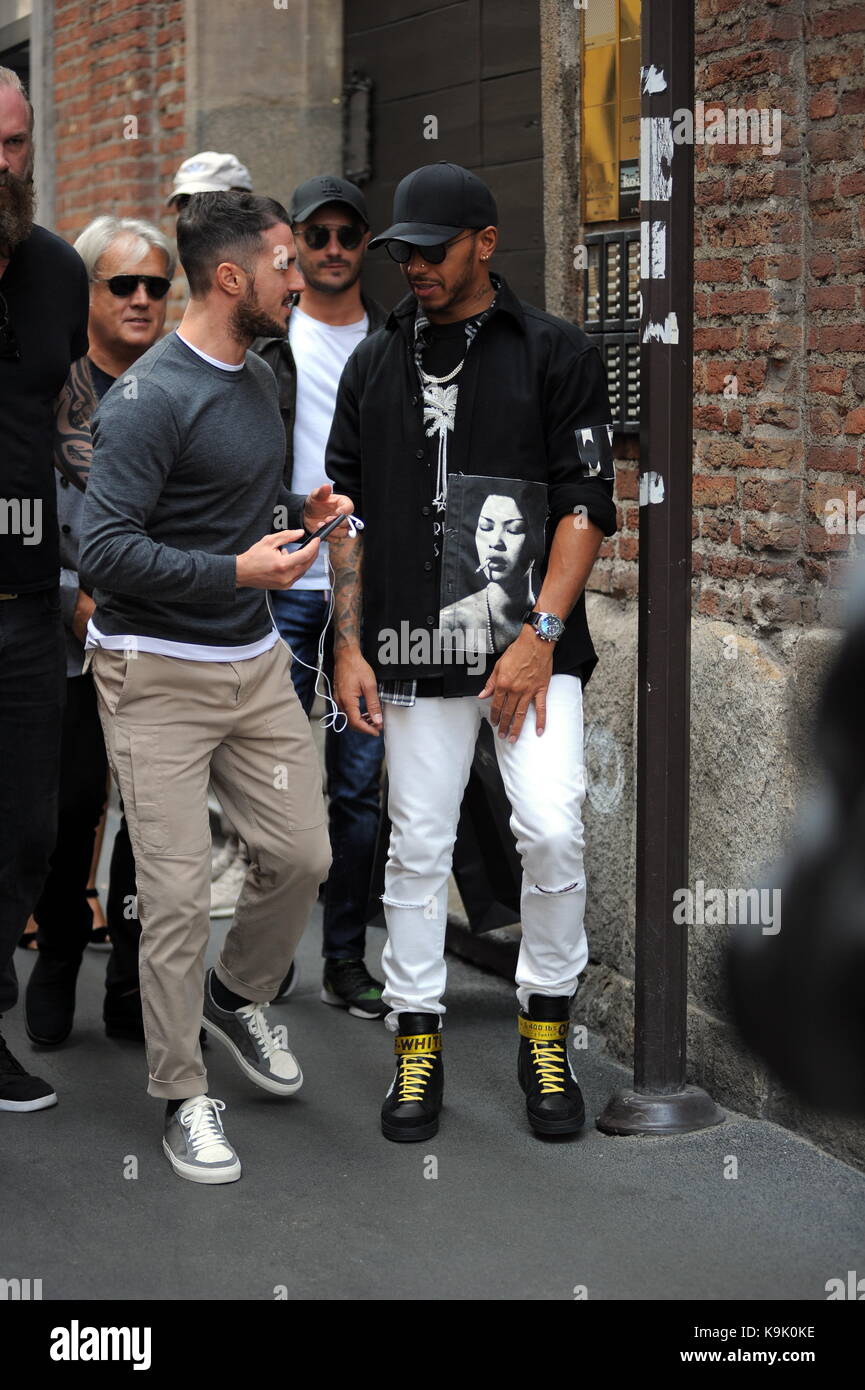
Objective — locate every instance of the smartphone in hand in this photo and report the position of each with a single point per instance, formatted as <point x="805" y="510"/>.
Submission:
<point x="322" y="532"/>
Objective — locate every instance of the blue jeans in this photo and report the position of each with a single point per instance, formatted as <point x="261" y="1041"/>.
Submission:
<point x="353" y="768"/>
<point x="32" y="697"/>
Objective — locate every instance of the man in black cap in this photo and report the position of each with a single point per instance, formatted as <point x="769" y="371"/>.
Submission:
<point x="473" y="435"/>
<point x="330" y="223"/>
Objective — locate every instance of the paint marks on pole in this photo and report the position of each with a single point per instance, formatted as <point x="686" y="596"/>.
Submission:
<point x="652" y="79"/>
<point x="656" y="159"/>
<point x="651" y="488"/>
<point x="653" y="250"/>
<point x="666" y="332"/>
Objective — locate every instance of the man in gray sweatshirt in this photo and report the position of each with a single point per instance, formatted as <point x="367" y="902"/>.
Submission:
<point x="184" y="523"/>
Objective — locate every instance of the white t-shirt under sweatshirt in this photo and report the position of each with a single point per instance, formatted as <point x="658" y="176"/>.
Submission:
<point x="320" y="352"/>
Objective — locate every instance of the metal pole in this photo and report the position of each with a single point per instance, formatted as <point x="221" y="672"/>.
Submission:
<point x="660" y="1101"/>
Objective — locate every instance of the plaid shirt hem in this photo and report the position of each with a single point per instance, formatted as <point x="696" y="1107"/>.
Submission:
<point x="397" y="693"/>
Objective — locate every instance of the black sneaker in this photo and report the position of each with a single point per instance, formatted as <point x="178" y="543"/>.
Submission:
<point x="349" y="985"/>
<point x="411" y="1107"/>
<point x="49" y="1002"/>
<point x="288" y="986"/>
<point x="18" y="1089"/>
<point x="554" y="1101"/>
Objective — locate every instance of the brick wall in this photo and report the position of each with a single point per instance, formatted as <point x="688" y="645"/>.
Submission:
<point x="779" y="295"/>
<point x="117" y="59"/>
<point x="779" y="409"/>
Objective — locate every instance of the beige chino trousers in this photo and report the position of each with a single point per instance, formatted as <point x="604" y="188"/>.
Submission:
<point x="170" y="725"/>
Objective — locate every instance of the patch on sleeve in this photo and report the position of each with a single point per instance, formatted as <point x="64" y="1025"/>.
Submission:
<point x="595" y="448"/>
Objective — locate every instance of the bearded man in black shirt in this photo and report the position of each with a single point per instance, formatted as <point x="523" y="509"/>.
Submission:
<point x="43" y="332"/>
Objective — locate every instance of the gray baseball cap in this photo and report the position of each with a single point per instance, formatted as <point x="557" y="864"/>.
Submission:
<point x="209" y="172"/>
<point x="325" y="188"/>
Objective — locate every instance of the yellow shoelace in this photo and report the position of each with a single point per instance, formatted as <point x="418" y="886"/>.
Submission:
<point x="548" y="1059"/>
<point x="413" y="1076"/>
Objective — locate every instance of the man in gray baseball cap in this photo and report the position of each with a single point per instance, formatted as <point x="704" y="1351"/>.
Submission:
<point x="208" y="172"/>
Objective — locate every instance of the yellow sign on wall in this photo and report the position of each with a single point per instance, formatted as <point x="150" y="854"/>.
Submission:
<point x="610" y="104"/>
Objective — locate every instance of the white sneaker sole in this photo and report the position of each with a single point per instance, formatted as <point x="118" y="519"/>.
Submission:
<point x="276" y="1088"/>
<point x="196" y="1174"/>
<point x="42" y="1103"/>
<point x="328" y="997"/>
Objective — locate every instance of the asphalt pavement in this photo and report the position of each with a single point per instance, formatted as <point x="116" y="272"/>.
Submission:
<point x="328" y="1209"/>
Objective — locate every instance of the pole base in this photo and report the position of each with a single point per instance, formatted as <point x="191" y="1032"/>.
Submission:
<point x="630" y="1112"/>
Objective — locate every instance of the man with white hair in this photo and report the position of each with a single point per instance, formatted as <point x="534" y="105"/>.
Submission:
<point x="43" y="332"/>
<point x="130" y="265"/>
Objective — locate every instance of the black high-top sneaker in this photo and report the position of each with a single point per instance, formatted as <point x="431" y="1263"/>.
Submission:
<point x="554" y="1101"/>
<point x="411" y="1107"/>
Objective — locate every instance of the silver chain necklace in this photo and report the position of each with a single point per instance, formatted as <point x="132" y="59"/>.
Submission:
<point x="430" y="380"/>
<point x="490" y="621"/>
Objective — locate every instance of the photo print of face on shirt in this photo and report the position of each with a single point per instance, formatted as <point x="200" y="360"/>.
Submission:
<point x="492" y="561"/>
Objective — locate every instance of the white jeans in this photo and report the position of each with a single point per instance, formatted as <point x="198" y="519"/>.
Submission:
<point x="430" y="747"/>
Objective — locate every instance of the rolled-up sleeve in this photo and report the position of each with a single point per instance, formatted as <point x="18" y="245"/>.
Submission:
<point x="577" y="427"/>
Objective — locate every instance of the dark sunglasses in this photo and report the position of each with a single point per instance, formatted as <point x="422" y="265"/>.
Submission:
<point x="317" y="235"/>
<point x="122" y="286"/>
<point x="402" y="251"/>
<point x="9" y="349"/>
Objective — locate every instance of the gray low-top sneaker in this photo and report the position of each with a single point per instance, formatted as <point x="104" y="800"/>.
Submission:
<point x="246" y="1033"/>
<point x="195" y="1144"/>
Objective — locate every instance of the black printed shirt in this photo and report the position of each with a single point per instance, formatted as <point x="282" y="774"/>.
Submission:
<point x="532" y="405"/>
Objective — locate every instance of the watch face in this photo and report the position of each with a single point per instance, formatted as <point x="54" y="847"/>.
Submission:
<point x="550" y="627"/>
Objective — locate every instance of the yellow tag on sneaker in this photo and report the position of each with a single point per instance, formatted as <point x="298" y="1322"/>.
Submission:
<point x="410" y="1043"/>
<point x="542" y="1030"/>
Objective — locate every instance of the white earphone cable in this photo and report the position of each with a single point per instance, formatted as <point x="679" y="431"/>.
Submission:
<point x="331" y="719"/>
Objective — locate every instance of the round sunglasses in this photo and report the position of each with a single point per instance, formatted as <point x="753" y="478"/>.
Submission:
<point x="122" y="286"/>
<point x="402" y="251"/>
<point x="317" y="235"/>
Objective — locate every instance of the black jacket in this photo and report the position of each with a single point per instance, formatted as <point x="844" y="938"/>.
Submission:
<point x="278" y="356"/>
<point x="530" y="383"/>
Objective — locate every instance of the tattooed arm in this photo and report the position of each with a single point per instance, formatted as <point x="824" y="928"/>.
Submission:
<point x="346" y="556"/>
<point x="72" y="444"/>
<point x="354" y="679"/>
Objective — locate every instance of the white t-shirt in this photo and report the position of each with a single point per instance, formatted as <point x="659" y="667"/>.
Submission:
<point x="320" y="352"/>
<point x="184" y="651"/>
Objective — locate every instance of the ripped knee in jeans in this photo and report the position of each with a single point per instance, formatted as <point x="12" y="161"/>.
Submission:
<point x="429" y="906"/>
<point x="574" y="887"/>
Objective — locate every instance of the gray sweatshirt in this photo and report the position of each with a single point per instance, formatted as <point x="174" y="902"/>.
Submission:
<point x="187" y="473"/>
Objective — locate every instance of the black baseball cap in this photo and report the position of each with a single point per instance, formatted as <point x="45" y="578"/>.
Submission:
<point x="437" y="202"/>
<point x="326" y="188"/>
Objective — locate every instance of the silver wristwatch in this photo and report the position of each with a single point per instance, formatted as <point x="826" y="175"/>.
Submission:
<point x="548" y="627"/>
